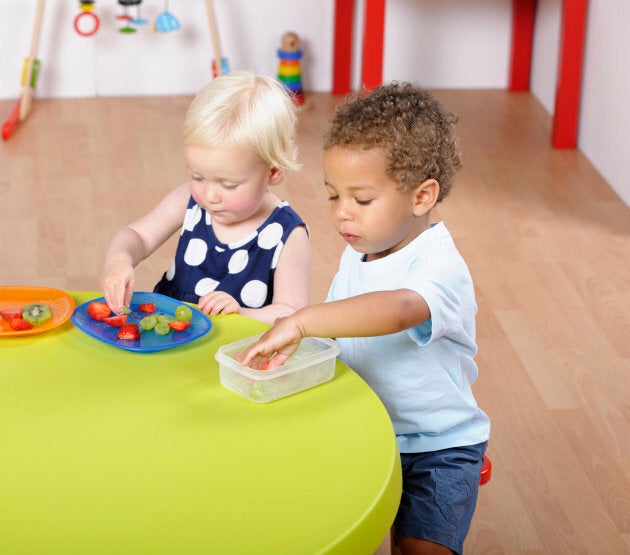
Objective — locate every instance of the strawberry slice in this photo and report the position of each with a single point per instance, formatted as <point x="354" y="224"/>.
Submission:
<point x="98" y="310"/>
<point x="19" y="324"/>
<point x="116" y="321"/>
<point x="130" y="332"/>
<point x="179" y="326"/>
<point x="147" y="307"/>
<point x="11" y="313"/>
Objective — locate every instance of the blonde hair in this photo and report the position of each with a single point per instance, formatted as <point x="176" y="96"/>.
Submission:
<point x="247" y="110"/>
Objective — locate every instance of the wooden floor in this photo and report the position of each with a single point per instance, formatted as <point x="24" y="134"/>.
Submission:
<point x="547" y="241"/>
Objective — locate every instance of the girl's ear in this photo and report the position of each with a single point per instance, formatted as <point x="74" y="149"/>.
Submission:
<point x="425" y="196"/>
<point x="276" y="175"/>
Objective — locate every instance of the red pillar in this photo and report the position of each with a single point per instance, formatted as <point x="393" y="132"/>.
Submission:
<point x="523" y="13"/>
<point x="342" y="46"/>
<point x="373" y="39"/>
<point x="567" y="110"/>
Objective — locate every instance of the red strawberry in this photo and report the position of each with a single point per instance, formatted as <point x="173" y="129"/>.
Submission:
<point x="98" y="310"/>
<point x="130" y="332"/>
<point x="179" y="326"/>
<point x="265" y="365"/>
<point x="116" y="321"/>
<point x="19" y="324"/>
<point x="147" y="307"/>
<point x="11" y="313"/>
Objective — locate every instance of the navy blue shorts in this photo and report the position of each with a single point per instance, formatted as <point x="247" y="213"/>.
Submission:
<point x="439" y="495"/>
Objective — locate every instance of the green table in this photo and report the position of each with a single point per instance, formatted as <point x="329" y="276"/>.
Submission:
<point x="104" y="451"/>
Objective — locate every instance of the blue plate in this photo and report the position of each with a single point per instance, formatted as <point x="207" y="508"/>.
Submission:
<point x="149" y="341"/>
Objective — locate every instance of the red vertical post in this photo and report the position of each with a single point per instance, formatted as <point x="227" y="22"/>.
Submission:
<point x="567" y="110"/>
<point x="373" y="39"/>
<point x="342" y="46"/>
<point x="523" y="14"/>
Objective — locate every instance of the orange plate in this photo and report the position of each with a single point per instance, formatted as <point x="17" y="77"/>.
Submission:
<point x="61" y="304"/>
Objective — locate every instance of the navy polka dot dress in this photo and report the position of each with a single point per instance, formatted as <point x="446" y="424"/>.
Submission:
<point x="244" y="269"/>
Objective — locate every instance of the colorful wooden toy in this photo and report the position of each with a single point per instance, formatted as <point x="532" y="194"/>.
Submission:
<point x="86" y="23"/>
<point x="166" y="21"/>
<point x="30" y="71"/>
<point x="217" y="68"/>
<point x="289" y="70"/>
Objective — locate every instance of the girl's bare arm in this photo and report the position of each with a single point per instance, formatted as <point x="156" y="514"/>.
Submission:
<point x="138" y="240"/>
<point x="292" y="282"/>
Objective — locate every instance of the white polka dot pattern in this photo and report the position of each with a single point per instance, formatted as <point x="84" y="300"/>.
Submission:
<point x="276" y="255"/>
<point x="192" y="218"/>
<point x="269" y="237"/>
<point x="205" y="285"/>
<point x="171" y="270"/>
<point x="244" y="268"/>
<point x="254" y="293"/>
<point x="238" y="261"/>
<point x="195" y="252"/>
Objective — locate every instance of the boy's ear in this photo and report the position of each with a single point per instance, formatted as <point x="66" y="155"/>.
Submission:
<point x="425" y="196"/>
<point x="276" y="175"/>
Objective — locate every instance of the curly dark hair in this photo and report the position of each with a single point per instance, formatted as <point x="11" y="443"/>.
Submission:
<point x="408" y="125"/>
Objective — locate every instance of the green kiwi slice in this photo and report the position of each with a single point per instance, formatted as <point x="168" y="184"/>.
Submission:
<point x="36" y="313"/>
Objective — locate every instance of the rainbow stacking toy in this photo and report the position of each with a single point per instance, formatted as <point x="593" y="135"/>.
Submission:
<point x="289" y="70"/>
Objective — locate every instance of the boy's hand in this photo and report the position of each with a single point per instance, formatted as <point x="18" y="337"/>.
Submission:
<point x="218" y="302"/>
<point x="275" y="346"/>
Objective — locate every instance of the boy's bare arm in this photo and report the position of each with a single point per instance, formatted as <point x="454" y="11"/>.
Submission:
<point x="371" y="314"/>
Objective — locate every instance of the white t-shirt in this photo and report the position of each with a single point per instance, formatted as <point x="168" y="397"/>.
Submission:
<point x="424" y="374"/>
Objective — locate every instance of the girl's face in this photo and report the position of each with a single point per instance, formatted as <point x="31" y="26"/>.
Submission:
<point x="229" y="182"/>
<point x="366" y="207"/>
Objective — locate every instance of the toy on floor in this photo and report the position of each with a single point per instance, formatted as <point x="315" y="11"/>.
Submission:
<point x="289" y="70"/>
<point x="166" y="21"/>
<point x="30" y="71"/>
<point x="86" y="23"/>
<point x="222" y="67"/>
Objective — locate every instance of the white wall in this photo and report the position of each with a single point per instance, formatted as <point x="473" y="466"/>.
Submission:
<point x="441" y="44"/>
<point x="604" y="123"/>
<point x="604" y="132"/>
<point x="113" y="64"/>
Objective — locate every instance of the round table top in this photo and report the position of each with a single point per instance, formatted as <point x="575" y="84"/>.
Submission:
<point x="109" y="451"/>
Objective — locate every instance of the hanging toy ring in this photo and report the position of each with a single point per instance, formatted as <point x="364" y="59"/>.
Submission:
<point x="95" y="23"/>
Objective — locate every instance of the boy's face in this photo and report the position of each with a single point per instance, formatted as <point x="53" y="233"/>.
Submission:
<point x="229" y="182"/>
<point x="366" y="207"/>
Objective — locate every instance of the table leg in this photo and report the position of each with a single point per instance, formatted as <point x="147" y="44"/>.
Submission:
<point x="342" y="47"/>
<point x="567" y="110"/>
<point x="373" y="39"/>
<point x="523" y="14"/>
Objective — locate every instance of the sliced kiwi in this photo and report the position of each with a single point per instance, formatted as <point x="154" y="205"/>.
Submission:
<point x="36" y="313"/>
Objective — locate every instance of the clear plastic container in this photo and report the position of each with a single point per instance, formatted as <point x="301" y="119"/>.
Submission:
<point x="312" y="364"/>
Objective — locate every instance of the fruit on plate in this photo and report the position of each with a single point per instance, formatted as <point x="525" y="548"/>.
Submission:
<point x="147" y="307"/>
<point x="11" y="313"/>
<point x="183" y="313"/>
<point x="98" y="310"/>
<point x="148" y="322"/>
<point x="179" y="326"/>
<point x="130" y="332"/>
<point x="162" y="328"/>
<point x="164" y="318"/>
<point x="116" y="321"/>
<point x="36" y="313"/>
<point x="19" y="324"/>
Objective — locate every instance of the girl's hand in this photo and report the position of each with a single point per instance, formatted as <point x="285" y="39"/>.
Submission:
<point x="218" y="302"/>
<point x="117" y="285"/>
<point x="275" y="346"/>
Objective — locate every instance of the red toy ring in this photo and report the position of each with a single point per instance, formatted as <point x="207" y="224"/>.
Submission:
<point x="96" y="22"/>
